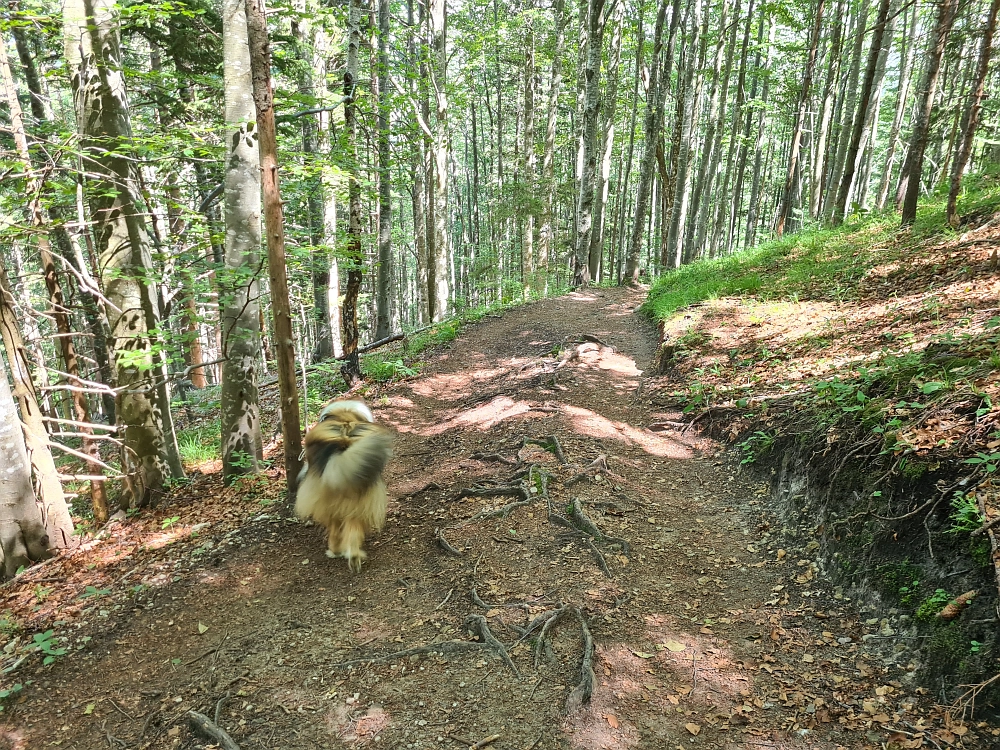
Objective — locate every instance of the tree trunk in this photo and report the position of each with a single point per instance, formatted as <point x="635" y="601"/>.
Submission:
<point x="56" y="518"/>
<point x="753" y="210"/>
<point x="826" y="115"/>
<point x="970" y="118"/>
<point x="59" y="311"/>
<point x="242" y="447"/>
<point x="384" y="283"/>
<point x="850" y="163"/>
<point x="529" y="266"/>
<point x="902" y="93"/>
<point x="440" y="261"/>
<point x="546" y="227"/>
<point x="608" y="107"/>
<point x="659" y="81"/>
<point x="94" y="57"/>
<point x="588" y="153"/>
<point x="709" y="156"/>
<point x="23" y="536"/>
<point x="909" y="180"/>
<point x="260" y="66"/>
<point x="846" y="110"/>
<point x="785" y="212"/>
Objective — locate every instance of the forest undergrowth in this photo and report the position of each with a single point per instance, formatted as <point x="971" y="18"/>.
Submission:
<point x="858" y="369"/>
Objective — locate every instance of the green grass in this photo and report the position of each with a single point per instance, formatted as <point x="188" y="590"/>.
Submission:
<point x="816" y="263"/>
<point x="200" y="444"/>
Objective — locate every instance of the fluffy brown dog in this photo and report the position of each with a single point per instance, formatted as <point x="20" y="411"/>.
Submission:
<point x="341" y="483"/>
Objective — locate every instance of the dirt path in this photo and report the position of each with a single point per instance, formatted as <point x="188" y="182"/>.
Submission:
<point x="708" y="632"/>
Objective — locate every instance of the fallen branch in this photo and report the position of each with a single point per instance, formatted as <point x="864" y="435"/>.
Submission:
<point x="480" y="456"/>
<point x="205" y="727"/>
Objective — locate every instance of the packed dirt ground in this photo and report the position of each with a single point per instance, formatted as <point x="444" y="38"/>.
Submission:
<point x="640" y="565"/>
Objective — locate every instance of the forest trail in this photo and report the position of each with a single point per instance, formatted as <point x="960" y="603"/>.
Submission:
<point x="704" y="633"/>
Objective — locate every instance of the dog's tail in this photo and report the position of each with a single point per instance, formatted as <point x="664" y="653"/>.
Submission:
<point x="361" y="463"/>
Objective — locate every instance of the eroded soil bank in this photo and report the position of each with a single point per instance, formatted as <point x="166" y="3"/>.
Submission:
<point x="640" y="554"/>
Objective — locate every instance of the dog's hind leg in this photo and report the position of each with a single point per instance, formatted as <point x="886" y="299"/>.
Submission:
<point x="333" y="539"/>
<point x="351" y="539"/>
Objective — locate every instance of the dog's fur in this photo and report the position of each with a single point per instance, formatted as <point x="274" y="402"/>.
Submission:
<point x="341" y="485"/>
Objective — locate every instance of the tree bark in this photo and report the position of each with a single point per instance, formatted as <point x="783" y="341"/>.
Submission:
<point x="546" y="229"/>
<point x="439" y="271"/>
<point x="242" y="446"/>
<point x="529" y="266"/>
<point x="260" y="66"/>
<point x="23" y="536"/>
<point x="850" y="164"/>
<point x="59" y="311"/>
<point x="384" y="282"/>
<point x="909" y="181"/>
<point x="653" y="123"/>
<point x="785" y="212"/>
<point x="596" y="21"/>
<point x="608" y="108"/>
<point x="902" y="93"/>
<point x="970" y="118"/>
<point x="143" y="408"/>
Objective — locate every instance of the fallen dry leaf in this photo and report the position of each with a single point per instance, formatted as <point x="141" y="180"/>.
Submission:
<point x="692" y="728"/>
<point x="612" y="720"/>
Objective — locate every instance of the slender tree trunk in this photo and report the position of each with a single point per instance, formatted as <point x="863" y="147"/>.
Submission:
<point x="596" y="22"/>
<point x="785" y="212"/>
<point x="902" y="93"/>
<point x="143" y="409"/>
<point x="970" y="118"/>
<point x="608" y="107"/>
<point x="909" y="181"/>
<point x="439" y="277"/>
<point x="753" y="207"/>
<point x="624" y="191"/>
<point x="850" y="164"/>
<point x="260" y="65"/>
<point x="242" y="446"/>
<point x="546" y="225"/>
<point x="659" y="81"/>
<point x="846" y="114"/>
<point x="709" y="156"/>
<point x="693" y="83"/>
<point x="529" y="271"/>
<point x="826" y="114"/>
<point x="384" y="283"/>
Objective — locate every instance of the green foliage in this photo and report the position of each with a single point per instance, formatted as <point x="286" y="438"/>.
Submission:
<point x="965" y="515"/>
<point x="385" y="369"/>
<point x="200" y="444"/>
<point x="45" y="643"/>
<point x="166" y="523"/>
<point x="933" y="604"/>
<point x="756" y="446"/>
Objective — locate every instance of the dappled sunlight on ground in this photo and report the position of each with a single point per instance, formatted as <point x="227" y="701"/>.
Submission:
<point x="588" y="422"/>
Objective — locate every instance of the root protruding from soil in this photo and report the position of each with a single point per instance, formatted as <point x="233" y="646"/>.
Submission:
<point x="205" y="727"/>
<point x="581" y="694"/>
<point x="477" y="625"/>
<point x="550" y="443"/>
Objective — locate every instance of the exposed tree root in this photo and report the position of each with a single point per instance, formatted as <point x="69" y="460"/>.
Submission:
<point x="594" y="340"/>
<point x="496" y="457"/>
<point x="549" y="443"/>
<point x="553" y="617"/>
<point x="205" y="727"/>
<point x="581" y="694"/>
<point x="445" y="544"/>
<point x="477" y="625"/>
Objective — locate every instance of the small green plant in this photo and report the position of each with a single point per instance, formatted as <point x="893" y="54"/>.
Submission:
<point x="988" y="461"/>
<point x="166" y="523"/>
<point x="975" y="647"/>
<point x="200" y="444"/>
<point x="756" y="446"/>
<point x="965" y="515"/>
<point x="45" y="643"/>
<point x="92" y="592"/>
<point x="6" y="693"/>
<point x="930" y="606"/>
<point x="385" y="370"/>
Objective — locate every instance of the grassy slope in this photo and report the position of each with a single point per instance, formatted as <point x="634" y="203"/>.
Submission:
<point x="877" y="351"/>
